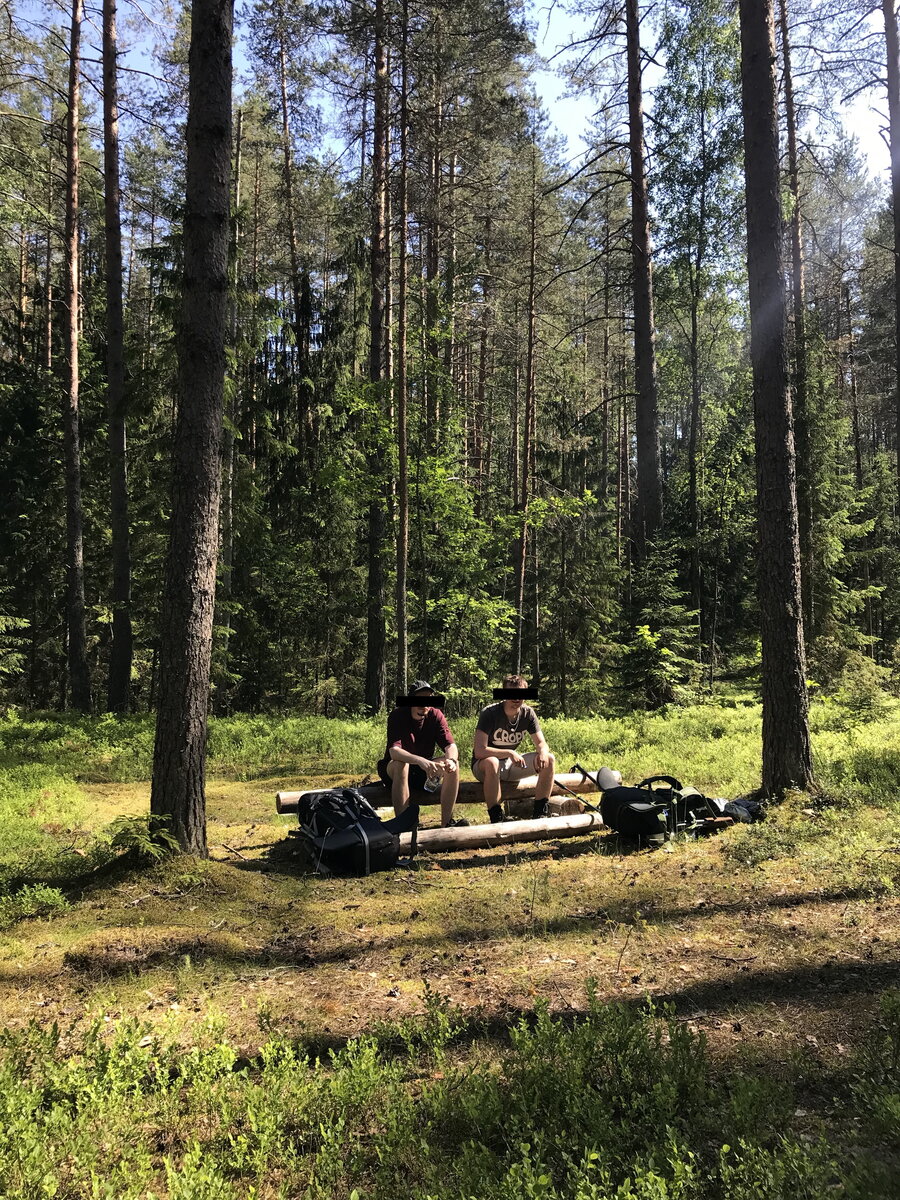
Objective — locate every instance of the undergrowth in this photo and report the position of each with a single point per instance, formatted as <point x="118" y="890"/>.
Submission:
<point x="48" y="828"/>
<point x="615" y="1103"/>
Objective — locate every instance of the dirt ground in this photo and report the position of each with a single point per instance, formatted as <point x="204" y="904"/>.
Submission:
<point x="754" y="936"/>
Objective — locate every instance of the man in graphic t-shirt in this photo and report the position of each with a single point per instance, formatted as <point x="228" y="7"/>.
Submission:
<point x="414" y="729"/>
<point x="496" y="758"/>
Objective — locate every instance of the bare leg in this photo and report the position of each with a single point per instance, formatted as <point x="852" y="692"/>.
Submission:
<point x="489" y="768"/>
<point x="544" y="789"/>
<point x="399" y="775"/>
<point x="449" y="792"/>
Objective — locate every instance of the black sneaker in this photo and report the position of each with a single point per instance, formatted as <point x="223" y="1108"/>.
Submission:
<point x="457" y="823"/>
<point x="541" y="809"/>
<point x="497" y="814"/>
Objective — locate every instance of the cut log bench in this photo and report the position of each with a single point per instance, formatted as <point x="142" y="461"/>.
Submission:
<point x="517" y="795"/>
<point x="481" y="837"/>
<point x="568" y="817"/>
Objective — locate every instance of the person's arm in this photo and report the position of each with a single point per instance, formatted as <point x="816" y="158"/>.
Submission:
<point x="450" y="759"/>
<point x="398" y="754"/>
<point x="541" y="748"/>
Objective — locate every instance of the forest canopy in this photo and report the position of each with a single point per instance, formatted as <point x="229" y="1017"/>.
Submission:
<point x="436" y="457"/>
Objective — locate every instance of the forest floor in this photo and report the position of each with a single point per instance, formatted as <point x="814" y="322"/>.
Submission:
<point x="238" y="1026"/>
<point x="781" y="935"/>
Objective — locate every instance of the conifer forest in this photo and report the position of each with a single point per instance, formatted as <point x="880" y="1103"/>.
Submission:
<point x="488" y="398"/>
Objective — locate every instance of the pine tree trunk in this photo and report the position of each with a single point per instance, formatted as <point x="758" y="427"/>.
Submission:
<point x="76" y="638"/>
<point x="401" y="385"/>
<point x="893" y="90"/>
<point x="20" y="299"/>
<point x="222" y="620"/>
<point x="649" y="497"/>
<point x="785" y="741"/>
<point x="376" y="664"/>
<point x="299" y="284"/>
<point x="119" y="692"/>
<point x="48" y="272"/>
<point x="801" y="370"/>
<point x="528" y="430"/>
<point x="696" y="277"/>
<point x="854" y="391"/>
<point x="179" y="760"/>
<point x="481" y="433"/>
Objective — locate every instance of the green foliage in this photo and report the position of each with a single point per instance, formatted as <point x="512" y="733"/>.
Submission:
<point x="33" y="900"/>
<point x="652" y="674"/>
<point x="145" y="840"/>
<point x="11" y="644"/>
<point x="614" y="1103"/>
<point x="861" y="691"/>
<point x="880" y="1066"/>
<point x="656" y="666"/>
<point x="857" y="686"/>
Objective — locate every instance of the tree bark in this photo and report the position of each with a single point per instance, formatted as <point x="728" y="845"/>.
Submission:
<point x="376" y="665"/>
<point x="222" y="618"/>
<point x="648" y="509"/>
<point x="119" y="686"/>
<point x="521" y="553"/>
<point x="76" y="637"/>
<point x="401" y="382"/>
<point x="801" y="370"/>
<point x="179" y="760"/>
<point x="48" y="270"/>
<point x="785" y="741"/>
<point x="893" y="78"/>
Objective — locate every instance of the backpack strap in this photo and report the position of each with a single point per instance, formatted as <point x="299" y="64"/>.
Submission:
<point x="669" y="779"/>
<point x="365" y="838"/>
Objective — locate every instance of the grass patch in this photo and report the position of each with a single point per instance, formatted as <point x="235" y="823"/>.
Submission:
<point x="617" y="1102"/>
<point x="169" y="1030"/>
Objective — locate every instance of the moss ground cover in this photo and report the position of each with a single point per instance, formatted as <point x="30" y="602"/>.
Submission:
<point x="206" y="991"/>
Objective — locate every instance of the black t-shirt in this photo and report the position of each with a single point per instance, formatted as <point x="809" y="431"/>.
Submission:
<point x="502" y="733"/>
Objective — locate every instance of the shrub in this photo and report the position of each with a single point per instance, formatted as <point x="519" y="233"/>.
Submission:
<point x="33" y="900"/>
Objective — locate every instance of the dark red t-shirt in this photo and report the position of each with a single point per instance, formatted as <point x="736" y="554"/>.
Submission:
<point x="417" y="737"/>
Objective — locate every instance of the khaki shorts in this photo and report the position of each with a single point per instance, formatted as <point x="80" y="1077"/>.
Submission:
<point x="508" y="769"/>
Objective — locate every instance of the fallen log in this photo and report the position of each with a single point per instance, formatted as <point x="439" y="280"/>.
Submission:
<point x="470" y="792"/>
<point x="520" y="807"/>
<point x="478" y="837"/>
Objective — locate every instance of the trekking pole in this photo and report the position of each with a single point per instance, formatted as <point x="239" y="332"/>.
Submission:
<point x="595" y="778"/>
<point x="577" y="795"/>
<point x="587" y="775"/>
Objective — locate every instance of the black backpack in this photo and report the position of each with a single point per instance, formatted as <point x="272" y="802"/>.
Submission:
<point x="344" y="833"/>
<point x="649" y="811"/>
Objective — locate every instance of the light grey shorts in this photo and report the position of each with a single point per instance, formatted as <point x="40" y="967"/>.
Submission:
<point x="508" y="769"/>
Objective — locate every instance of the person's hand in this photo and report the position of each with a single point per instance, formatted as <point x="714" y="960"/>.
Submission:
<point x="540" y="760"/>
<point x="517" y="758"/>
<point x="450" y="765"/>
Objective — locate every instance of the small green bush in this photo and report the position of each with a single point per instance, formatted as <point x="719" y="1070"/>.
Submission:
<point x="33" y="900"/>
<point x="147" y="839"/>
<point x="615" y="1104"/>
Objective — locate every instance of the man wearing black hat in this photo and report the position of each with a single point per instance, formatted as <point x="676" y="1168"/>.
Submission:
<point x="495" y="755"/>
<point x="414" y="729"/>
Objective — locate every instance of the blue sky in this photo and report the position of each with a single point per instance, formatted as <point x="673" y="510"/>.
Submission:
<point x="553" y="28"/>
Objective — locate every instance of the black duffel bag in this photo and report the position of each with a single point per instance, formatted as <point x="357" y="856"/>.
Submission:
<point x="344" y="833"/>
<point x="633" y="812"/>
